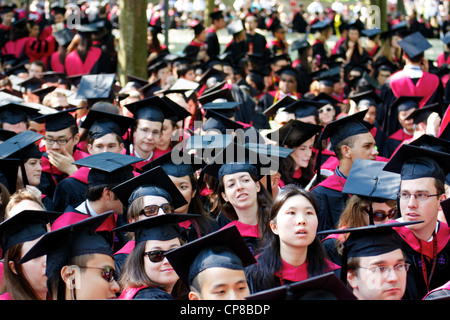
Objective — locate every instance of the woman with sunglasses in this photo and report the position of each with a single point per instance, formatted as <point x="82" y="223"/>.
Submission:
<point x="147" y="274"/>
<point x="372" y="202"/>
<point x="292" y="252"/>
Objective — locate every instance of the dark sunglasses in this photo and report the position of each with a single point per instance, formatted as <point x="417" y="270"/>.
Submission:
<point x="108" y="273"/>
<point x="382" y="215"/>
<point x="155" y="255"/>
<point x="152" y="210"/>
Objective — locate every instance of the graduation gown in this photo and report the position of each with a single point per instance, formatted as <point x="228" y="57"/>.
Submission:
<point x="331" y="201"/>
<point x="256" y="43"/>
<point x="96" y="62"/>
<point x="71" y="190"/>
<point x="249" y="233"/>
<point x="212" y="42"/>
<point x="145" y="293"/>
<point x="261" y="121"/>
<point x="435" y="255"/>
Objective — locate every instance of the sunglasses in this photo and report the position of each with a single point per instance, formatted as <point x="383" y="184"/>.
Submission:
<point x="155" y="255"/>
<point x="327" y="109"/>
<point x="152" y="210"/>
<point x="108" y="273"/>
<point x="382" y="215"/>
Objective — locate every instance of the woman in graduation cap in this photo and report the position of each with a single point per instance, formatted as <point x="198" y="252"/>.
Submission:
<point x="147" y="274"/>
<point x="19" y="233"/>
<point x="196" y="50"/>
<point x="292" y="252"/>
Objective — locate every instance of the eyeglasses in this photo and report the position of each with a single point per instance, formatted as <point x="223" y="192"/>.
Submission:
<point x="152" y="209"/>
<point x="421" y="196"/>
<point x="384" y="270"/>
<point x="147" y="132"/>
<point x="382" y="215"/>
<point x="60" y="142"/>
<point x="108" y="273"/>
<point x="155" y="255"/>
<point x="62" y="108"/>
<point x="325" y="109"/>
<point x="287" y="80"/>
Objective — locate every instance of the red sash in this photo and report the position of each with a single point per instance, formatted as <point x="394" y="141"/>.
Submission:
<point x="400" y="135"/>
<point x="68" y="218"/>
<point x="245" y="230"/>
<point x="56" y="64"/>
<point x="129" y="293"/>
<point x="127" y="248"/>
<point x="75" y="66"/>
<point x="333" y="182"/>
<point x="402" y="85"/>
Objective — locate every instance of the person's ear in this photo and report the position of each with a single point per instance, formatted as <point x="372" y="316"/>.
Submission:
<point x="193" y="295"/>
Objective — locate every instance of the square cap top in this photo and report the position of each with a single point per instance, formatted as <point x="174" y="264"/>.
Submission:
<point x="280" y="105"/>
<point x="100" y="123"/>
<point x="18" y="142"/>
<point x="153" y="109"/>
<point x="13" y="113"/>
<point x="63" y="37"/>
<point x="414" y="44"/>
<point x="58" y="121"/>
<point x="96" y="86"/>
<point x="176" y="163"/>
<point x="294" y="133"/>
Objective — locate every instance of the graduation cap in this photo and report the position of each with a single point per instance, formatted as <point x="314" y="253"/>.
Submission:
<point x="300" y="44"/>
<point x="64" y="37"/>
<point x="20" y="146"/>
<point x="6" y="134"/>
<point x="100" y="123"/>
<point x="197" y="26"/>
<point x="225" y="108"/>
<point x="321" y="25"/>
<point x="355" y="25"/>
<point x="371" y="33"/>
<point x="154" y="182"/>
<point x="366" y="98"/>
<point x="323" y="287"/>
<point x="422" y="114"/>
<point x="431" y="142"/>
<point x="96" y="86"/>
<point x="152" y="109"/>
<point x="280" y="105"/>
<point x="368" y="179"/>
<point x="150" y="88"/>
<point x="414" y="44"/>
<point x="234" y="27"/>
<point x="58" y="121"/>
<point x="185" y="164"/>
<point x="289" y="70"/>
<point x="42" y="92"/>
<point x="6" y="9"/>
<point x="212" y="72"/>
<point x="399" y="29"/>
<point x="294" y="133"/>
<point x="108" y="168"/>
<point x="345" y="127"/>
<point x="216" y="15"/>
<point x="273" y="151"/>
<point x="86" y="29"/>
<point x="207" y="142"/>
<point x="68" y="242"/>
<point x="25" y="226"/>
<point x="221" y="95"/>
<point x="413" y="162"/>
<point x="236" y="158"/>
<point x="155" y="67"/>
<point x="14" y="113"/>
<point x="404" y="103"/>
<point x="189" y="86"/>
<point x="327" y="99"/>
<point x="220" y="249"/>
<point x="56" y="9"/>
<point x="219" y="122"/>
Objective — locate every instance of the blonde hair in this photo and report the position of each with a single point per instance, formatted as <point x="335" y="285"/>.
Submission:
<point x="19" y="196"/>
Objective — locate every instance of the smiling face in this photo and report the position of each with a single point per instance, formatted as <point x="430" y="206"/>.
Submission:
<point x="302" y="154"/>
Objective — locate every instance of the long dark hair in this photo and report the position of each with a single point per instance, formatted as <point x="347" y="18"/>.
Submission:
<point x="269" y="260"/>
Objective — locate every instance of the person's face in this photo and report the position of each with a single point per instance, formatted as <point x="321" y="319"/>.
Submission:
<point x="162" y="74"/>
<point x="408" y="125"/>
<point x="364" y="147"/>
<point x="58" y="18"/>
<point x="106" y="143"/>
<point x="17" y="128"/>
<point x="394" y="42"/>
<point x="64" y="134"/>
<point x="166" y="134"/>
<point x="240" y="190"/>
<point x="221" y="284"/>
<point x="161" y="272"/>
<point x="280" y="34"/>
<point x="148" y="201"/>
<point x="326" y="114"/>
<point x="34" y="270"/>
<point x="59" y="103"/>
<point x="93" y="286"/>
<point x="382" y="76"/>
<point x="353" y="35"/>
<point x="185" y="187"/>
<point x="34" y="31"/>
<point x="147" y="135"/>
<point x="288" y="83"/>
<point x="296" y="223"/>
<point x="202" y="36"/>
<point x="37" y="127"/>
<point x="413" y="209"/>
<point x="35" y="71"/>
<point x="33" y="169"/>
<point x="371" y="115"/>
<point x="251" y="23"/>
<point x="190" y="75"/>
<point x="379" y="209"/>
<point x="220" y="24"/>
<point x="302" y="154"/>
<point x="369" y="284"/>
<point x="7" y="18"/>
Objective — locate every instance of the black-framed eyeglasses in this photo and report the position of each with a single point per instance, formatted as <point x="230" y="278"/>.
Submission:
<point x="62" y="108"/>
<point x="421" y="196"/>
<point x="155" y="256"/>
<point x="152" y="210"/>
<point x="108" y="273"/>
<point x="382" y="215"/>
<point x="60" y="142"/>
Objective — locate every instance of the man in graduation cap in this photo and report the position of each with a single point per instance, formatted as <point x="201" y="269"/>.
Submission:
<point x="15" y="117"/>
<point x="105" y="134"/>
<point x="350" y="139"/>
<point x="212" y="41"/>
<point x="256" y="42"/>
<point x="422" y="188"/>
<point x="413" y="80"/>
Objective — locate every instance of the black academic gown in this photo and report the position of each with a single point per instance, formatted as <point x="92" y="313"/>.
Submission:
<point x="71" y="190"/>
<point x="213" y="45"/>
<point x="256" y="43"/>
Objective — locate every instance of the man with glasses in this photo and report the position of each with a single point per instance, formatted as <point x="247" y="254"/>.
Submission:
<point x="422" y="188"/>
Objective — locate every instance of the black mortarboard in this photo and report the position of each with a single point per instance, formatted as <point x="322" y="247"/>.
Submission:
<point x="225" y="108"/>
<point x="25" y="226"/>
<point x="269" y="150"/>
<point x="368" y="179"/>
<point x="366" y="98"/>
<point x="329" y="76"/>
<point x="218" y="122"/>
<point x="150" y="88"/>
<point x="155" y="67"/>
<point x="212" y="72"/>
<point x="197" y="26"/>
<point x="221" y="95"/>
<point x="294" y="133"/>
<point x="323" y="287"/>
<point x="14" y="113"/>
<point x="154" y="182"/>
<point x="176" y="163"/>
<point x="63" y="37"/>
<point x="108" y="168"/>
<point x="289" y="70"/>
<point x="6" y="9"/>
<point x="304" y="108"/>
<point x="189" y="86"/>
<point x="101" y="123"/>
<point x="203" y="142"/>
<point x="280" y="105"/>
<point x="74" y="240"/>
<point x="220" y="249"/>
<point x="56" y="9"/>
<point x="413" y="162"/>
<point x="399" y="29"/>
<point x="18" y="146"/>
<point x="42" y="92"/>
<point x="320" y="25"/>
<point x="180" y="113"/>
<point x="216" y="15"/>
<point x="236" y="158"/>
<point x="6" y="134"/>
<point x="161" y="227"/>
<point x="300" y="44"/>
<point x="404" y="103"/>
<point x="371" y="33"/>
<point x="431" y="142"/>
<point x="421" y="114"/>
<point x="326" y="98"/>
<point x="86" y="28"/>
<point x="151" y="109"/>
<point x="8" y="173"/>
<point x="345" y="127"/>
<point x="58" y="121"/>
<point x="414" y="44"/>
<point x="96" y="86"/>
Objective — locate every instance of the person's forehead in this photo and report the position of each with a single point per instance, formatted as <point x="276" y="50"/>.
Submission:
<point x="420" y="184"/>
<point x="142" y="123"/>
<point x="389" y="257"/>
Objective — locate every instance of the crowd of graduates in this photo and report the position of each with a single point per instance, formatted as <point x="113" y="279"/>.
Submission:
<point x="228" y="173"/>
